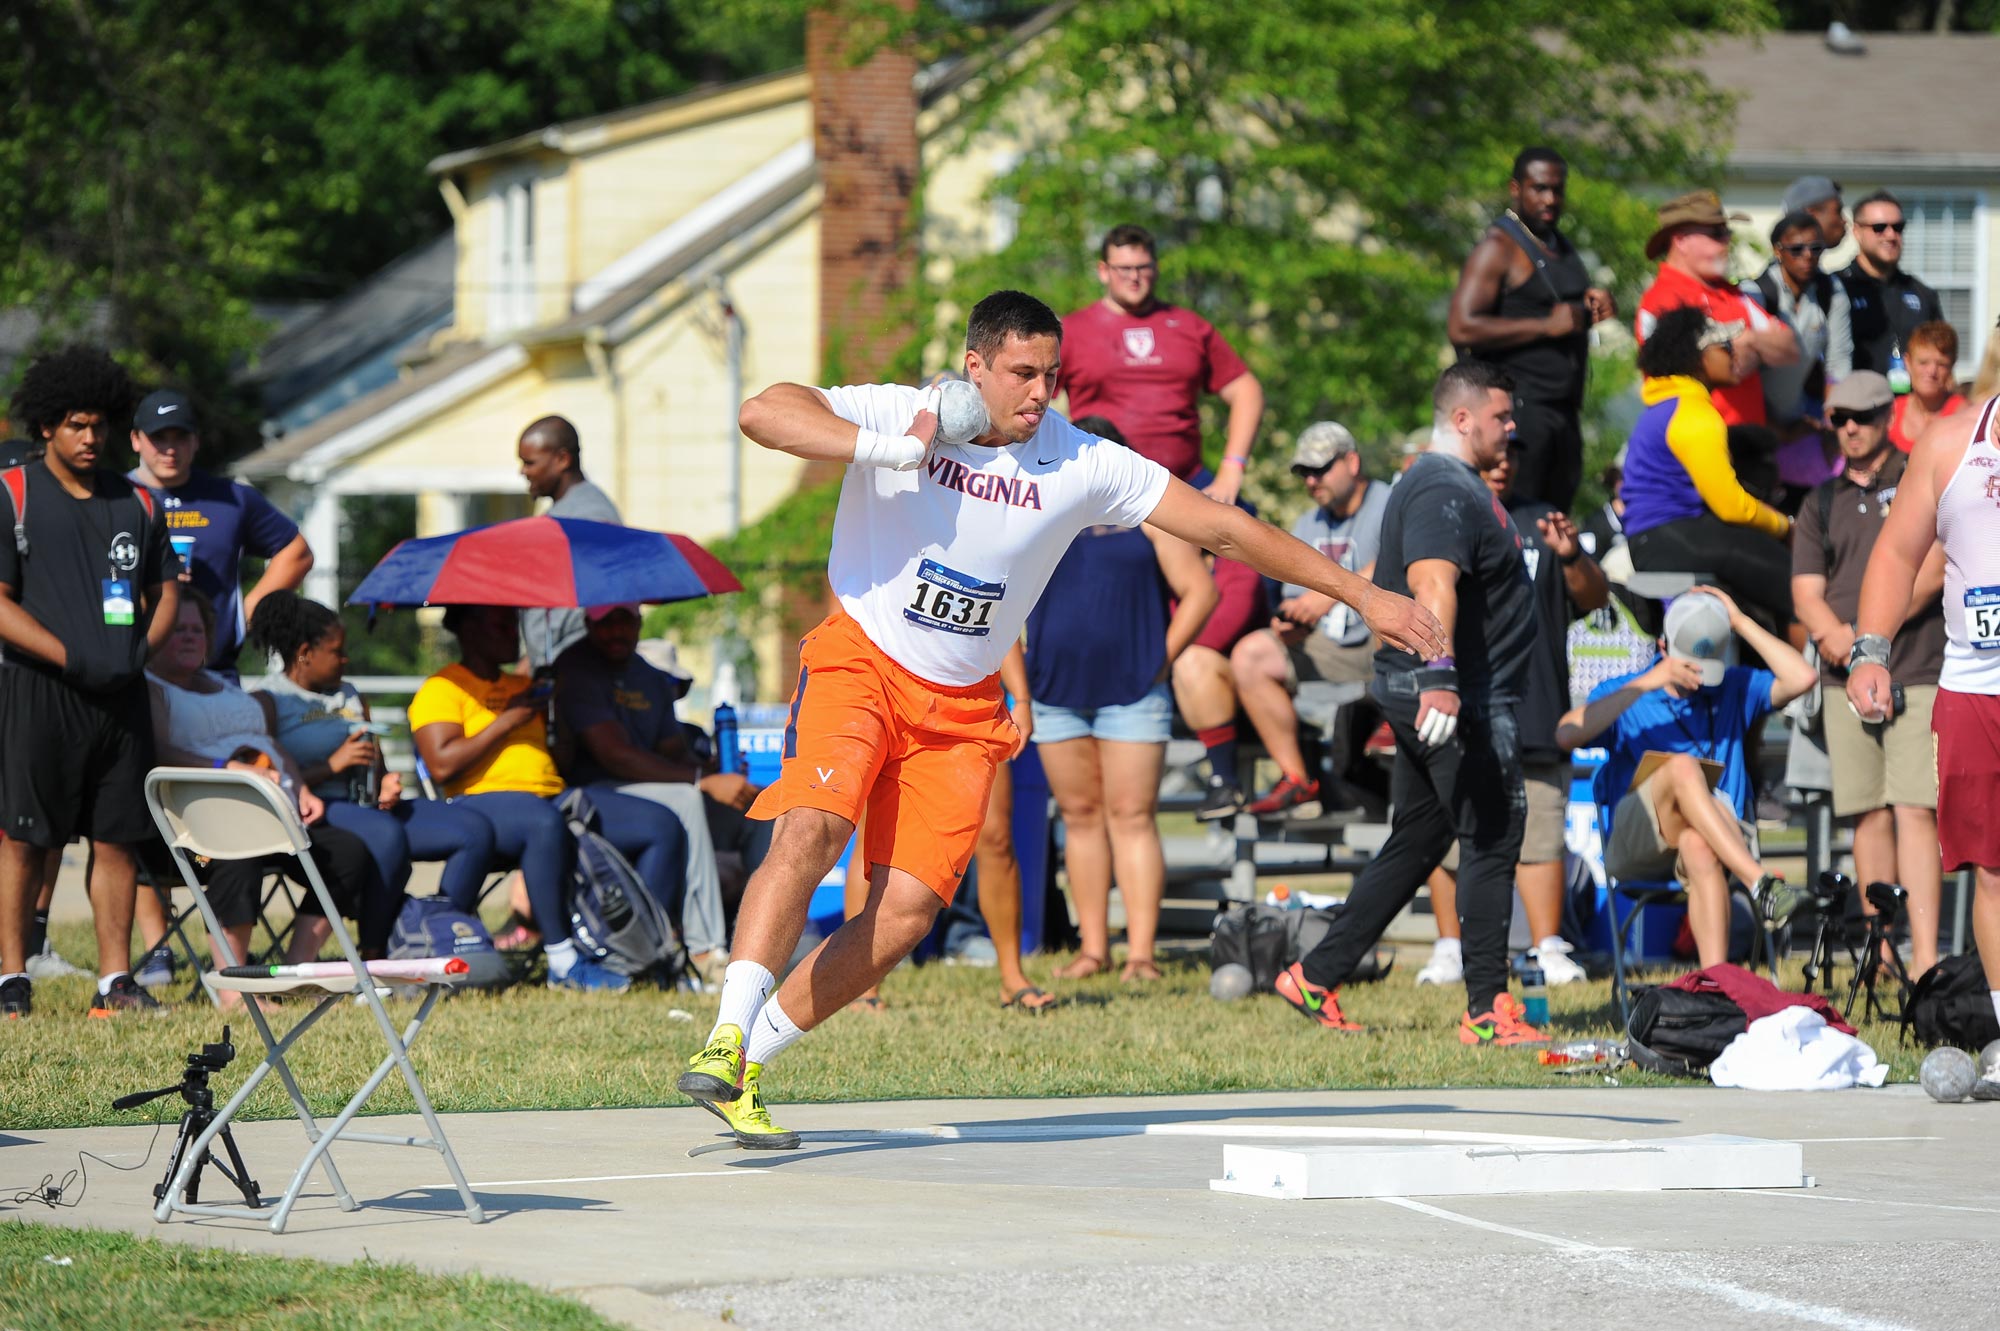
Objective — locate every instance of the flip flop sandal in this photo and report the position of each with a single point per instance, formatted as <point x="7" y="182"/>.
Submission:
<point x="1018" y="1001"/>
<point x="1098" y="965"/>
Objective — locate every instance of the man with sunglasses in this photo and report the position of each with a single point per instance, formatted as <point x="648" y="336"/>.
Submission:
<point x="1814" y="305"/>
<point x="1312" y="636"/>
<point x="1884" y="772"/>
<point x="1888" y="302"/>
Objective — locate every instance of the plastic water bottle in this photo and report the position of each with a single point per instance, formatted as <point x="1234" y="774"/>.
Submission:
<point x="1899" y="373"/>
<point x="727" y="755"/>
<point x="1534" y="991"/>
<point x="1284" y="898"/>
<point x="1582" y="1053"/>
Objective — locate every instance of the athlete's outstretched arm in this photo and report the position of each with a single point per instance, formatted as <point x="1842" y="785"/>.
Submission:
<point x="792" y="418"/>
<point x="1230" y="533"/>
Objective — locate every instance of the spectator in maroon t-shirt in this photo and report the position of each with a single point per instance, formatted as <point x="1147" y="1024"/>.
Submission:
<point x="1145" y="364"/>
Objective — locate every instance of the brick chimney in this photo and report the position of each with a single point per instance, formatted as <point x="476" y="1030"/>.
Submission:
<point x="865" y="136"/>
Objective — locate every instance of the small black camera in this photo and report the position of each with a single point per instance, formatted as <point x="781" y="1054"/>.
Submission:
<point x="1831" y="889"/>
<point x="214" y="1057"/>
<point x="1888" y="899"/>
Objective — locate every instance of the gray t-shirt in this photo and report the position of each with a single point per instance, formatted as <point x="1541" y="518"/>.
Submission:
<point x="546" y="633"/>
<point x="637" y="695"/>
<point x="1351" y="542"/>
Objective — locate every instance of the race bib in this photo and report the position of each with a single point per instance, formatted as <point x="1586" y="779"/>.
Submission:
<point x="952" y="601"/>
<point x="1982" y="617"/>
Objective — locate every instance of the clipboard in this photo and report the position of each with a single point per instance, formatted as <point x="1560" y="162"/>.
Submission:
<point x="1653" y="759"/>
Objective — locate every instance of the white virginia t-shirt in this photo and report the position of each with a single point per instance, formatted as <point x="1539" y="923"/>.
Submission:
<point x="940" y="566"/>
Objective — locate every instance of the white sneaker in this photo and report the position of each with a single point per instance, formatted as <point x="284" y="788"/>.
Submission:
<point x="1443" y="968"/>
<point x="49" y="964"/>
<point x="1557" y="968"/>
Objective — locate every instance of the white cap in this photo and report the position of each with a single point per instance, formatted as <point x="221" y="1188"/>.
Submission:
<point x="1697" y="629"/>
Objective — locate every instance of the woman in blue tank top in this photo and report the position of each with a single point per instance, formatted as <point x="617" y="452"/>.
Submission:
<point x="1121" y="605"/>
<point x="323" y="723"/>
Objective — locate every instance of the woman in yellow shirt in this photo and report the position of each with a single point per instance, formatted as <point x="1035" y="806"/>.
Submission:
<point x="481" y="731"/>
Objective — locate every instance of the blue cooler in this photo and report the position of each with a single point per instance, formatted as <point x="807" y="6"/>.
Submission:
<point x="763" y="751"/>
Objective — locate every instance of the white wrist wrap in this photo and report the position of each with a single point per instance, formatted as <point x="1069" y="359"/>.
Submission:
<point x="898" y="452"/>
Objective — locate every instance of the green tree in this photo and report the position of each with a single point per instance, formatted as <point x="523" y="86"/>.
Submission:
<point x="170" y="162"/>
<point x="1316" y="170"/>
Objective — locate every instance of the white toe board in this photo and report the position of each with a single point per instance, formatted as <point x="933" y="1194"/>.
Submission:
<point x="1396" y="1169"/>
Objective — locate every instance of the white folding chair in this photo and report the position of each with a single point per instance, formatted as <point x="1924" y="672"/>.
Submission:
<point x="225" y="815"/>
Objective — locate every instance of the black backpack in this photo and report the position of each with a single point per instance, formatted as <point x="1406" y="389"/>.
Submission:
<point x="616" y="921"/>
<point x="1678" y="1033"/>
<point x="1265" y="939"/>
<point x="1952" y="1005"/>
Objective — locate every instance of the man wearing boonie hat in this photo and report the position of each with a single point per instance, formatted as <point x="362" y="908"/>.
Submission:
<point x="1884" y="772"/>
<point x="1675" y="777"/>
<point x="1692" y="246"/>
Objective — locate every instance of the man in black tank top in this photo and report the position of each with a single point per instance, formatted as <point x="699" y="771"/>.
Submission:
<point x="1525" y="303"/>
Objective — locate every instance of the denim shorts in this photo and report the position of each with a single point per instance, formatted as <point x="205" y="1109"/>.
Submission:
<point x="1150" y="720"/>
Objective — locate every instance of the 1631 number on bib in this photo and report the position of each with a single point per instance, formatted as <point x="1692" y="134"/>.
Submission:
<point x="952" y="601"/>
<point x="1982" y="617"/>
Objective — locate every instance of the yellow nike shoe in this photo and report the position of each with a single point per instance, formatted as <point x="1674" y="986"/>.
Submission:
<point x="749" y="1119"/>
<point x="715" y="1074"/>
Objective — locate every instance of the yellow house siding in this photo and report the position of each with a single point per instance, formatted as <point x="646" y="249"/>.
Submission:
<point x="628" y="192"/>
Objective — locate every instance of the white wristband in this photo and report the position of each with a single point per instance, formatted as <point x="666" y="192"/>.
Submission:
<point x="898" y="452"/>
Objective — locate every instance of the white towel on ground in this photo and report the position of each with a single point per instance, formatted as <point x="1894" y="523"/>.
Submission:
<point x="1795" y="1050"/>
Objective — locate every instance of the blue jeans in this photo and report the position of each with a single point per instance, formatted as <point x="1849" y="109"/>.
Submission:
<point x="528" y="830"/>
<point x="422" y="830"/>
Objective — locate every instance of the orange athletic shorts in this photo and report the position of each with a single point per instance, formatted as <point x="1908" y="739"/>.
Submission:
<point x="866" y="734"/>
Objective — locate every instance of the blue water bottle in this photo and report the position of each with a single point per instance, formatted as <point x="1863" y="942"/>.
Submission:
<point x="1534" y="991"/>
<point x="728" y="757"/>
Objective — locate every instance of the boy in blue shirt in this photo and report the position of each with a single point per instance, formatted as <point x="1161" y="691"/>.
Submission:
<point x="1688" y="818"/>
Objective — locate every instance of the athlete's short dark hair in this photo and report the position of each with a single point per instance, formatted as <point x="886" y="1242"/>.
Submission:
<point x="1796" y="221"/>
<point x="1527" y="157"/>
<point x="76" y="378"/>
<point x="1128" y="233"/>
<point x="1465" y="380"/>
<point x="1006" y="314"/>
<point x="1674" y="345"/>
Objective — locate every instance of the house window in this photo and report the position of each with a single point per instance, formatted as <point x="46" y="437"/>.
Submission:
<point x="1943" y="248"/>
<point x="511" y="301"/>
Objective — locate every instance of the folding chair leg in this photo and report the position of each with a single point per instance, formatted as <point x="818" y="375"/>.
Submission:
<point x="314" y="1132"/>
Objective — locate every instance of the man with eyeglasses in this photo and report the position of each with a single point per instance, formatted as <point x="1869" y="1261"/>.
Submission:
<point x="1526" y="303"/>
<point x="1814" y="305"/>
<point x="1884" y="772"/>
<point x="1888" y="302"/>
<point x="1312" y="637"/>
<point x="1135" y="359"/>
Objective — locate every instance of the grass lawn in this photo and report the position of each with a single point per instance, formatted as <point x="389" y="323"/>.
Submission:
<point x="115" y="1280"/>
<point x="943" y="1035"/>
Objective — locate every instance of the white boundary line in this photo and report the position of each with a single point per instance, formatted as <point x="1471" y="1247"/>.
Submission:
<point x="1749" y="1300"/>
<point x="617" y="1178"/>
<point x="1233" y="1131"/>
<point x="1868" y="1201"/>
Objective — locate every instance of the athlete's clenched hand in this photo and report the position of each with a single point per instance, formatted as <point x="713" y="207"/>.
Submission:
<point x="1402" y="623"/>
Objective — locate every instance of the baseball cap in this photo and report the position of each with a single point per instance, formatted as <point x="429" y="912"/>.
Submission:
<point x="1320" y="443"/>
<point x="17" y="452"/>
<point x="165" y="410"/>
<point x="597" y="612"/>
<point x="1806" y="191"/>
<point x="1697" y="629"/>
<point x="1864" y="390"/>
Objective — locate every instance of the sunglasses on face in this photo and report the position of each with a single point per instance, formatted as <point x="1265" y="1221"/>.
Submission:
<point x="1841" y="419"/>
<point x="1879" y="227"/>
<point x="1796" y="250"/>
<point x="1305" y="473"/>
<point x="1133" y="269"/>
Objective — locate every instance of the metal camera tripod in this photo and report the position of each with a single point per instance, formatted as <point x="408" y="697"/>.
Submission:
<point x="1879" y="953"/>
<point x="1829" y="895"/>
<point x="193" y="1088"/>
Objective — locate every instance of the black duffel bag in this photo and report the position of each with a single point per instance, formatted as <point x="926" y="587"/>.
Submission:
<point x="1266" y="939"/>
<point x="1678" y="1033"/>
<point x="1952" y="1005"/>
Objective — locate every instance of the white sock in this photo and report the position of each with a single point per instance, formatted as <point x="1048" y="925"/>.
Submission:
<point x="561" y="957"/>
<point x="1995" y="995"/>
<point x="1553" y="945"/>
<point x="745" y="986"/>
<point x="15" y="975"/>
<point x="1445" y="947"/>
<point x="104" y="982"/>
<point x="774" y="1034"/>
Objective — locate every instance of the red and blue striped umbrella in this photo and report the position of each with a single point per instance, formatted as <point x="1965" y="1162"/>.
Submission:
<point x="544" y="562"/>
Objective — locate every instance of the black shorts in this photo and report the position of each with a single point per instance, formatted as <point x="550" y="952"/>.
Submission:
<point x="73" y="764"/>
